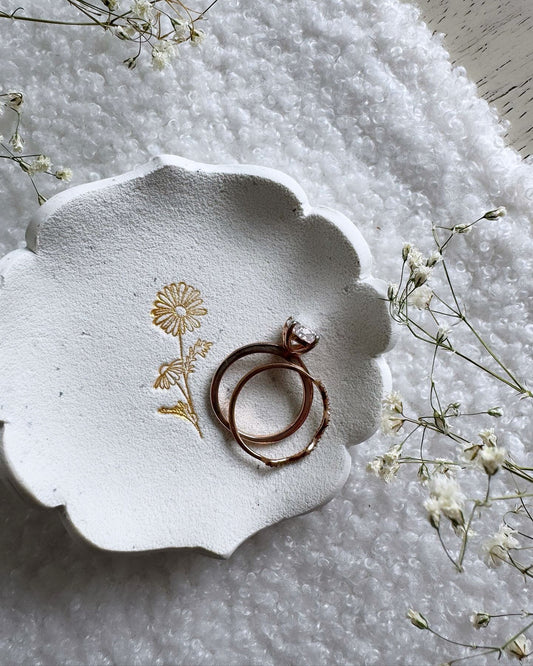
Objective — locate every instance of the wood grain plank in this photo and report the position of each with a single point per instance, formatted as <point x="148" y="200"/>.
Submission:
<point x="493" y="41"/>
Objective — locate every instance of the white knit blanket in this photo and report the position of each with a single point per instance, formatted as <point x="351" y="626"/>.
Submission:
<point x="358" y="102"/>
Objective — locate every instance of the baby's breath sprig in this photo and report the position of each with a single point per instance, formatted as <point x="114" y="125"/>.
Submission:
<point x="517" y="646"/>
<point x="413" y="291"/>
<point x="436" y="317"/>
<point x="157" y="25"/>
<point x="12" y="149"/>
<point x="433" y="318"/>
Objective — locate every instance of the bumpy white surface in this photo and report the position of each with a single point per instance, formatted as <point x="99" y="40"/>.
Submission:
<point x="83" y="428"/>
<point x="358" y="102"/>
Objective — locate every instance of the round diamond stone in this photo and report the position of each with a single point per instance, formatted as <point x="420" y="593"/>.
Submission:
<point x="304" y="334"/>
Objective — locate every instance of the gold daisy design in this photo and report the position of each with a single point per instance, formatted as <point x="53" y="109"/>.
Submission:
<point x="176" y="311"/>
<point x="177" y="308"/>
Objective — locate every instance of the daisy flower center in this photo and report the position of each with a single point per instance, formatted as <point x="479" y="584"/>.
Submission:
<point x="180" y="310"/>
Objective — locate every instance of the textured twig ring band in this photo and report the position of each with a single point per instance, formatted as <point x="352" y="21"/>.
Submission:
<point x="296" y="340"/>
<point x="276" y="462"/>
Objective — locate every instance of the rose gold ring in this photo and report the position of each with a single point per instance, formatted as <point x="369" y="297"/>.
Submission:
<point x="296" y="340"/>
<point x="263" y="348"/>
<point x="277" y="462"/>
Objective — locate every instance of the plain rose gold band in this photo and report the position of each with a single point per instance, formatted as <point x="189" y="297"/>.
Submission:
<point x="263" y="348"/>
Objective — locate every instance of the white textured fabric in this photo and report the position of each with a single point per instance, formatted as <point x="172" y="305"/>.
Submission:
<point x="359" y="103"/>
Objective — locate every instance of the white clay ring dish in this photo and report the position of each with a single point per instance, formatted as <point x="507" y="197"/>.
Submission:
<point x="81" y="350"/>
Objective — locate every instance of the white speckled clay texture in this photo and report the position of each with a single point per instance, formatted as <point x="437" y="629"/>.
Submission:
<point x="359" y="103"/>
<point x="86" y="428"/>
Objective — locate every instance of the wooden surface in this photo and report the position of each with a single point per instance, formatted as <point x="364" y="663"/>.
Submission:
<point x="493" y="40"/>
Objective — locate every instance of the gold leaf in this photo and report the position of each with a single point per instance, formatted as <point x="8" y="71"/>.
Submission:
<point x="181" y="409"/>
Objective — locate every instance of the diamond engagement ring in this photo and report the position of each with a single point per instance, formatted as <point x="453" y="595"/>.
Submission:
<point x="297" y="339"/>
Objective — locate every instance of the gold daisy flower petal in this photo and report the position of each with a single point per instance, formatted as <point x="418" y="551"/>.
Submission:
<point x="195" y="311"/>
<point x="177" y="307"/>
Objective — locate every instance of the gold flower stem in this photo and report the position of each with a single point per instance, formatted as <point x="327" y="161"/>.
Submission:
<point x="187" y="392"/>
<point x="191" y="405"/>
<point x="181" y="346"/>
<point x="184" y="392"/>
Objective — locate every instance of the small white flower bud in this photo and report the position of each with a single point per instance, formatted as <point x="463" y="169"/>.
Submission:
<point x="14" y="100"/>
<point x="433" y="507"/>
<point x="453" y="408"/>
<point x="495" y="550"/>
<point x="17" y="142"/>
<point x="420" y="275"/>
<point x="64" y="174"/>
<point x="519" y="647"/>
<point x="405" y="251"/>
<point x="495" y="411"/>
<point x="447" y="498"/>
<point x="181" y="27"/>
<point x="442" y="334"/>
<point x="386" y="466"/>
<point x="440" y="421"/>
<point x="480" y="619"/>
<point x="123" y="33"/>
<point x="375" y="466"/>
<point x="417" y="619"/>
<point x="462" y="228"/>
<point x="488" y="437"/>
<point x="434" y="258"/>
<point x="390" y="424"/>
<point x="197" y="37"/>
<point x="491" y="458"/>
<point x="495" y="214"/>
<point x="422" y="474"/>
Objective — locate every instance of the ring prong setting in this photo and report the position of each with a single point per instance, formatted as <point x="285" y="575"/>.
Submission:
<point x="298" y="337"/>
